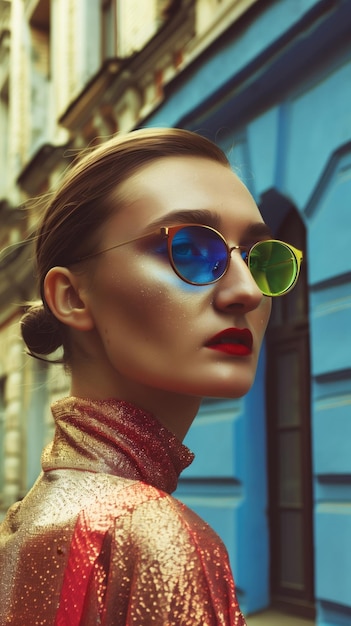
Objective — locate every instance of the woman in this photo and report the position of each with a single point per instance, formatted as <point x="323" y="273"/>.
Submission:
<point x="155" y="270"/>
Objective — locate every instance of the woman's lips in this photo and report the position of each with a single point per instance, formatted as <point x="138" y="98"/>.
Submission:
<point x="233" y="341"/>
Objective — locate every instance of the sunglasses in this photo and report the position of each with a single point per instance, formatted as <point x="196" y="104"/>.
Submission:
<point x="200" y="255"/>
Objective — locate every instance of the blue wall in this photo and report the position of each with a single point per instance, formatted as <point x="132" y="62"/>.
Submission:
<point x="227" y="485"/>
<point x="275" y="92"/>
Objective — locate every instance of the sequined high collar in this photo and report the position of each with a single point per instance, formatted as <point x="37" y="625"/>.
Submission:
<point x="115" y="437"/>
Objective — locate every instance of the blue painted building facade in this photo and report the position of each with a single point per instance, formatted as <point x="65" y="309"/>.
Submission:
<point x="273" y="472"/>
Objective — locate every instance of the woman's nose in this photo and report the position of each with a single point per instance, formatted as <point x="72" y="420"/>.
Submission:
<point x="237" y="288"/>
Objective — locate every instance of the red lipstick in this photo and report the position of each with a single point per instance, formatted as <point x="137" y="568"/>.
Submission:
<point x="233" y="341"/>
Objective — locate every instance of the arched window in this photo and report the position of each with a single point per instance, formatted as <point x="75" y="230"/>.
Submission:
<point x="289" y="439"/>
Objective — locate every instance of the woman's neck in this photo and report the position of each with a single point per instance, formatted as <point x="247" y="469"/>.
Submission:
<point x="175" y="411"/>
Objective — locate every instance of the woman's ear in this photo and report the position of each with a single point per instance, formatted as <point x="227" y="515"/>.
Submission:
<point x="63" y="296"/>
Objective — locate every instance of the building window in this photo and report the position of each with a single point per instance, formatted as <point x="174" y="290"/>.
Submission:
<point x="289" y="439"/>
<point x="127" y="26"/>
<point x="2" y="434"/>
<point x="4" y="94"/>
<point x="109" y="28"/>
<point x="4" y="143"/>
<point x="35" y="421"/>
<point x="40" y="73"/>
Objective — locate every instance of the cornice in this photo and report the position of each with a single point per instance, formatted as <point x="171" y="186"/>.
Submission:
<point x="116" y="75"/>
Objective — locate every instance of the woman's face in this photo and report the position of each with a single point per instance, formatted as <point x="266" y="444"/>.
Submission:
<point x="153" y="329"/>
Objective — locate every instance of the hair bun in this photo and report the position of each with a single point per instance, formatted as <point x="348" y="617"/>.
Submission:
<point x="40" y="330"/>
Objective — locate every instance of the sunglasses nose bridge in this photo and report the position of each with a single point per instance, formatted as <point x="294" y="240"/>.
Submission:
<point x="242" y="252"/>
<point x="232" y="248"/>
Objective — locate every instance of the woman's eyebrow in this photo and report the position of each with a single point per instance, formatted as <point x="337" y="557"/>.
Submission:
<point x="258" y="230"/>
<point x="198" y="216"/>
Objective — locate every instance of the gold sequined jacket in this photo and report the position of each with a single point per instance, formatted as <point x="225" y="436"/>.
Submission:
<point x="99" y="540"/>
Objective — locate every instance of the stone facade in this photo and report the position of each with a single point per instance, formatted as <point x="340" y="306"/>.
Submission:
<point x="72" y="72"/>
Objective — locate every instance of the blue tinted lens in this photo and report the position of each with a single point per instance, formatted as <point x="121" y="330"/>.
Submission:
<point x="199" y="255"/>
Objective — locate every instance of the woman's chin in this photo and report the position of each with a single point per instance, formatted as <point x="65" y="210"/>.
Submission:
<point x="231" y="387"/>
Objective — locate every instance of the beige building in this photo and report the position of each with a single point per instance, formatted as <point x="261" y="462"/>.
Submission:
<point x="72" y="72"/>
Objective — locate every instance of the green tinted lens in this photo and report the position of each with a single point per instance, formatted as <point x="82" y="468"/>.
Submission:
<point x="273" y="266"/>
